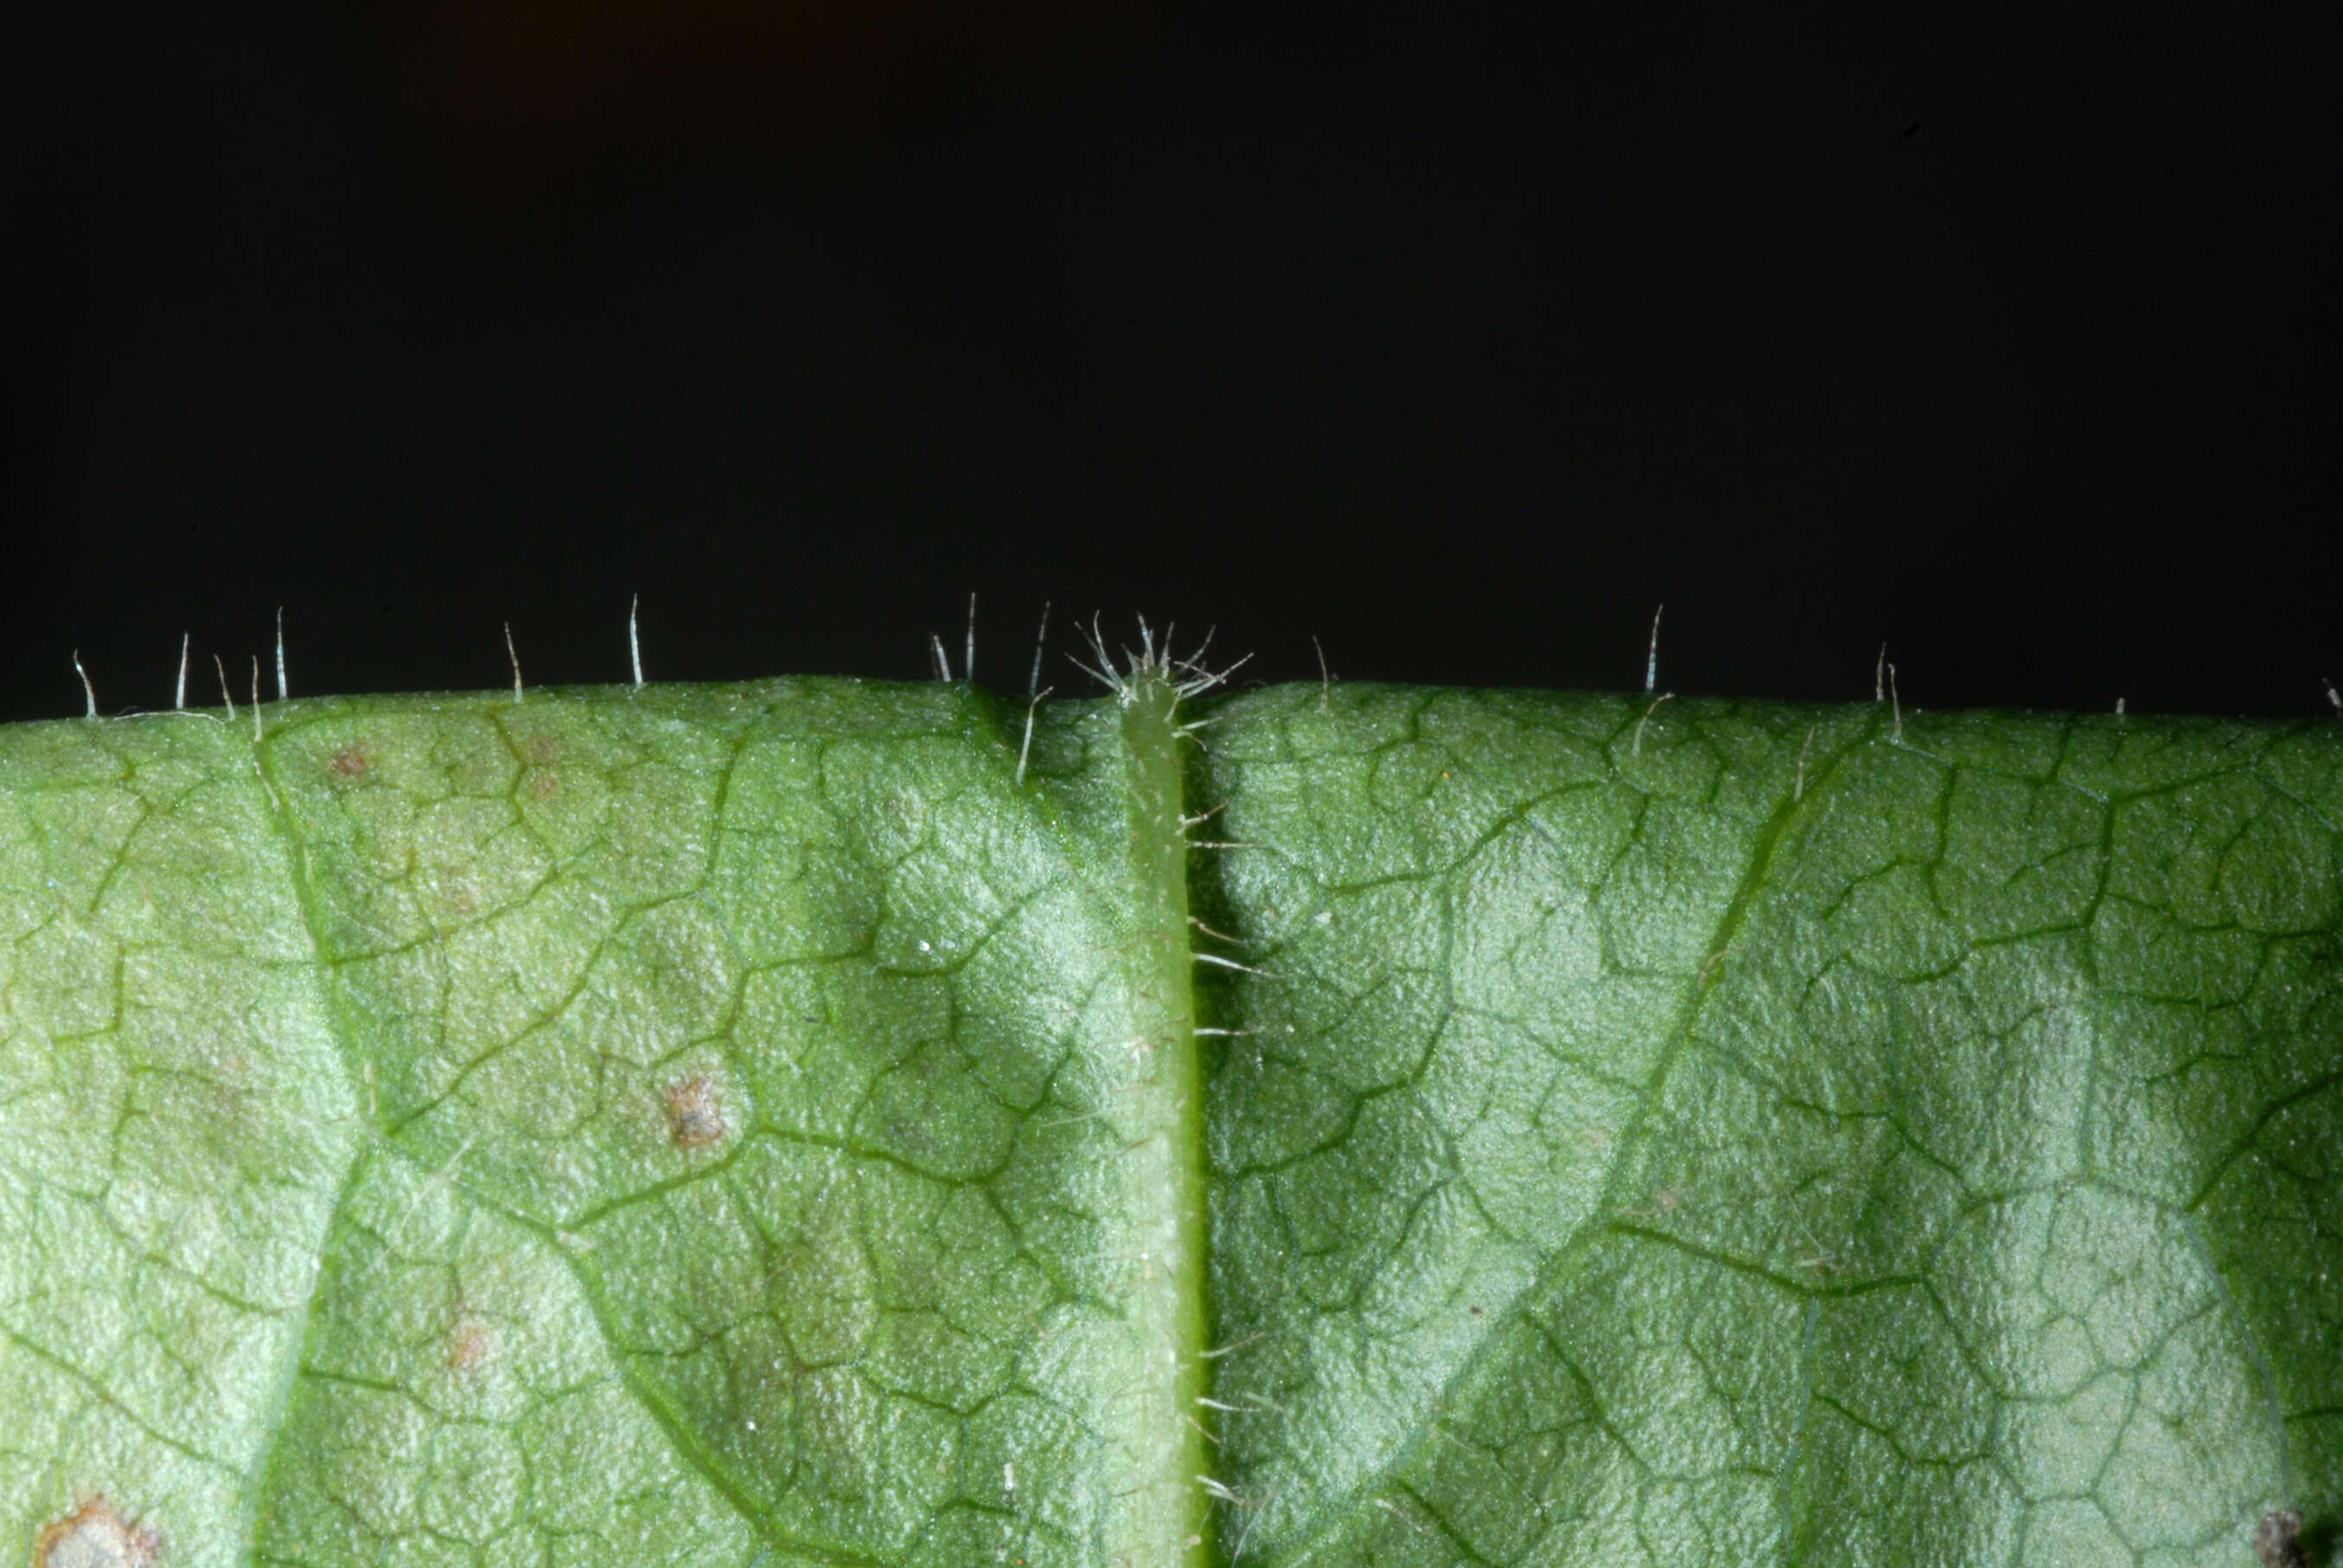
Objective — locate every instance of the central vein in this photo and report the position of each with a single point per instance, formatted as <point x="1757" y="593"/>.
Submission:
<point x="1161" y="1516"/>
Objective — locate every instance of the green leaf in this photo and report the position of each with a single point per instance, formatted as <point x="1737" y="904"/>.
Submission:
<point x="801" y="1123"/>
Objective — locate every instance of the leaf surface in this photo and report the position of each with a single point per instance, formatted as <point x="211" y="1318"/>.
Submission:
<point x="801" y="1123"/>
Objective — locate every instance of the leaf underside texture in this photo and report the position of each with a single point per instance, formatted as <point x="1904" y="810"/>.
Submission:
<point x="817" y="1123"/>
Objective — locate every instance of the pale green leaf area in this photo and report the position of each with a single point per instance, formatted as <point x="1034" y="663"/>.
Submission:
<point x="772" y="1125"/>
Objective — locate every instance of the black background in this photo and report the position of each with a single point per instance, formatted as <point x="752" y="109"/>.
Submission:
<point x="1456" y="339"/>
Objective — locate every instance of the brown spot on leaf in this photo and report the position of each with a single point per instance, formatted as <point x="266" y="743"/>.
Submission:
<point x="468" y="1346"/>
<point x="350" y="764"/>
<point x="695" y="1116"/>
<point x="2275" y="1542"/>
<point x="234" y="1104"/>
<point x="95" y="1535"/>
<point x="543" y="784"/>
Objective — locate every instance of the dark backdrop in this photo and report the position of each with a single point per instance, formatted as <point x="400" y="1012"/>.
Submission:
<point x="1456" y="341"/>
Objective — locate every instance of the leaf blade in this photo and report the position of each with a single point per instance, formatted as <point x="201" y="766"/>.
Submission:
<point x="174" y="1121"/>
<point x="751" y="1124"/>
<point x="790" y="1026"/>
<point x="1760" y="1349"/>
